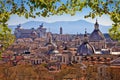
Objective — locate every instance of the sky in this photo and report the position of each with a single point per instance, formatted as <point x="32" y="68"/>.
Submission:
<point x="103" y="20"/>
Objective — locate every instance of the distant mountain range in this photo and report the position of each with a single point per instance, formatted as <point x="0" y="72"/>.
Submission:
<point x="69" y="27"/>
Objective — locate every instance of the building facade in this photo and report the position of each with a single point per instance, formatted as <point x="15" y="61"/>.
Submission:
<point x="40" y="32"/>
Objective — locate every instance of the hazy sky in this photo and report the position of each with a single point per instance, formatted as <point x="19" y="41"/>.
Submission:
<point x="103" y="20"/>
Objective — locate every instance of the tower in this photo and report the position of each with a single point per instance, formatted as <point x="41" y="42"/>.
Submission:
<point x="96" y="25"/>
<point x="85" y="36"/>
<point x="50" y="38"/>
<point x="61" y="31"/>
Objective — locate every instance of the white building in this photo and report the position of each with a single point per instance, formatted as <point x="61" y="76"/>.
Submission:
<point x="30" y="33"/>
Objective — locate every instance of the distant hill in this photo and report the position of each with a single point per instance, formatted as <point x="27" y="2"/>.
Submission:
<point x="69" y="27"/>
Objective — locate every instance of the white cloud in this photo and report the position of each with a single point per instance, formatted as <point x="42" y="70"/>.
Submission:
<point x="103" y="20"/>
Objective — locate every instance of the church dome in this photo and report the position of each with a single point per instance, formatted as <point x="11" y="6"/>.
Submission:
<point x="96" y="35"/>
<point x="85" y="48"/>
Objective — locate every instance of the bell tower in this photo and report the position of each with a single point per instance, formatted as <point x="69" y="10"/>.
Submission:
<point x="85" y="36"/>
<point x="61" y="30"/>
